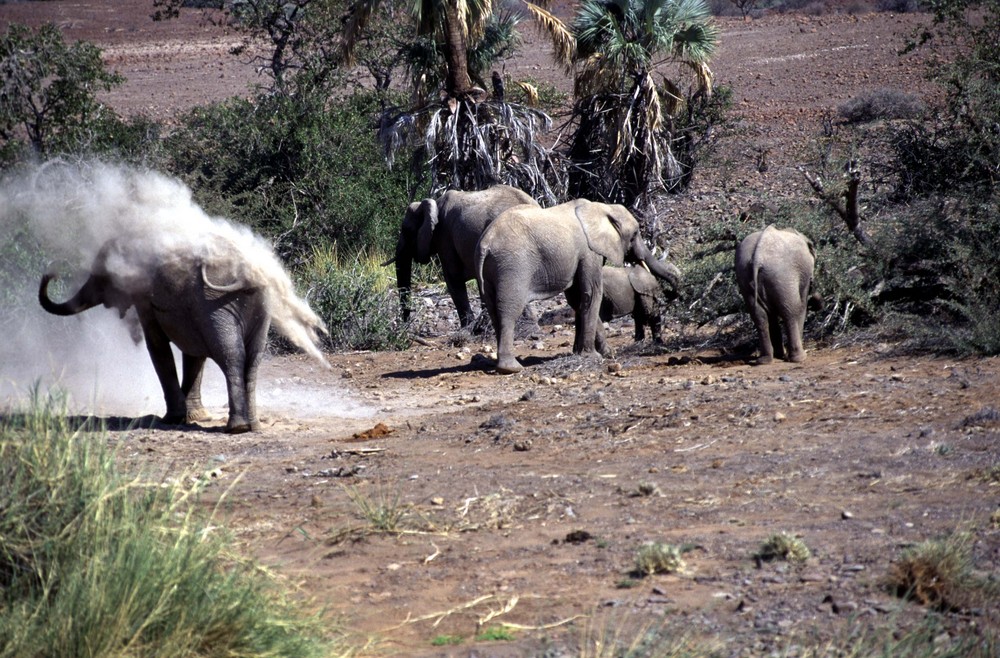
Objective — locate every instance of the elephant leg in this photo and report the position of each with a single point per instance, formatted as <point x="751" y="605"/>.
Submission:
<point x="193" y="367"/>
<point x="774" y="332"/>
<point x="158" y="346"/>
<point x="586" y="291"/>
<point x="504" y="318"/>
<point x="795" y="326"/>
<point x="234" y="368"/>
<point x="764" y="332"/>
<point x="460" y="295"/>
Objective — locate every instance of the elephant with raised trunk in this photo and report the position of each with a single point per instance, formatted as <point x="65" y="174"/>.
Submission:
<point x="774" y="269"/>
<point x="450" y="227"/>
<point x="531" y="253"/>
<point x="208" y="298"/>
<point x="634" y="291"/>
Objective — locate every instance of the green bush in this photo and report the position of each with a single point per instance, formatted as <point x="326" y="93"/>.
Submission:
<point x="357" y="301"/>
<point x="95" y="563"/>
<point x="298" y="169"/>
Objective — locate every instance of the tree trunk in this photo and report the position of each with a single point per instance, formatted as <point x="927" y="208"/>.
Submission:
<point x="456" y="55"/>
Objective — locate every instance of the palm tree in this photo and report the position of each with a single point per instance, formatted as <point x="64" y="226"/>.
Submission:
<point x="622" y="148"/>
<point x="465" y="139"/>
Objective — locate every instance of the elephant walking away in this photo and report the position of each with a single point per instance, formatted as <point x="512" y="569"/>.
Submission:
<point x="450" y="227"/>
<point x="634" y="291"/>
<point x="774" y="269"/>
<point x="209" y="298"/>
<point x="530" y="253"/>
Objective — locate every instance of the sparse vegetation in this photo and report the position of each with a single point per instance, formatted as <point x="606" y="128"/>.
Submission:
<point x="881" y="104"/>
<point x="382" y="509"/>
<point x="940" y="574"/>
<point x="783" y="546"/>
<point x="496" y="634"/>
<point x="122" y="565"/>
<point x="657" y="557"/>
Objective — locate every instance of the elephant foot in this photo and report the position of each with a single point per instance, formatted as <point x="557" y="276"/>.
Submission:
<point x="797" y="357"/>
<point x="237" y="427"/>
<point x="763" y="360"/>
<point x="197" y="414"/>
<point x="508" y="366"/>
<point x="174" y="419"/>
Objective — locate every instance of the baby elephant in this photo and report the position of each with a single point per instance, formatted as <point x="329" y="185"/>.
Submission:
<point x="633" y="290"/>
<point x="774" y="269"/>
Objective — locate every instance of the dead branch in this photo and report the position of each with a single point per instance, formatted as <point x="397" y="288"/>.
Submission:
<point x="848" y="210"/>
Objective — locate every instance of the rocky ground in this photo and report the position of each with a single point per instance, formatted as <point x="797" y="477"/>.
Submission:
<point x="524" y="500"/>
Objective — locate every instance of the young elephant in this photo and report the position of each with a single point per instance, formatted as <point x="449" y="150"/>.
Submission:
<point x="633" y="291"/>
<point x="774" y="269"/>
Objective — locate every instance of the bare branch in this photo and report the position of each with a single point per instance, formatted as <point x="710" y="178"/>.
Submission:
<point x="848" y="210"/>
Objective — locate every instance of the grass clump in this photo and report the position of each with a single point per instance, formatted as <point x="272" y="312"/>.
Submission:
<point x="783" y="546"/>
<point x="939" y="574"/>
<point x="383" y="510"/>
<point x="93" y="563"/>
<point x="446" y="640"/>
<point x="496" y="634"/>
<point x="357" y="300"/>
<point x="657" y="557"/>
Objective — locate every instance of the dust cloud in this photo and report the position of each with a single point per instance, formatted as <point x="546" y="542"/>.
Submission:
<point x="62" y="213"/>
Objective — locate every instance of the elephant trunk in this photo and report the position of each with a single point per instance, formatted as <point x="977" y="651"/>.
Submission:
<point x="662" y="269"/>
<point x="404" y="278"/>
<point x="78" y="303"/>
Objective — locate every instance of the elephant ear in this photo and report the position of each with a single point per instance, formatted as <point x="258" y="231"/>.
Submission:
<point x="609" y="229"/>
<point x="428" y="211"/>
<point x="643" y="281"/>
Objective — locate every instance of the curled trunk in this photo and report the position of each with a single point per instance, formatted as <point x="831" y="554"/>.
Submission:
<point x="78" y="303"/>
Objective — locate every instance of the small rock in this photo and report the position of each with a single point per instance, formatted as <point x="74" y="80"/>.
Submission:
<point x="437" y="500"/>
<point x="846" y="515"/>
<point x="778" y="416"/>
<point x="522" y="445"/>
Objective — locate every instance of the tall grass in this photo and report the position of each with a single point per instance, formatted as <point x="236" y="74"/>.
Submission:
<point x="93" y="563"/>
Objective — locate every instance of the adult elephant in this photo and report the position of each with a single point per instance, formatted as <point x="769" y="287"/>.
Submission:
<point x="450" y="227"/>
<point x="531" y="253"/>
<point x="774" y="269"/>
<point x="172" y="291"/>
<point x="634" y="291"/>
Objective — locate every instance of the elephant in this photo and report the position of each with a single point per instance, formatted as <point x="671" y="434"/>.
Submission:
<point x="450" y="227"/>
<point x="530" y="253"/>
<point x="176" y="302"/>
<point x="633" y="291"/>
<point x="774" y="269"/>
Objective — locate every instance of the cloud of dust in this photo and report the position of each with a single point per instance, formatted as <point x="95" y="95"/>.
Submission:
<point x="71" y="210"/>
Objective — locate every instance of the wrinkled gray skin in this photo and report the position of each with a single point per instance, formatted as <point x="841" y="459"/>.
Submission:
<point x="176" y="303"/>
<point x="633" y="291"/>
<point x="450" y="227"/>
<point x="531" y="253"/>
<point x="774" y="269"/>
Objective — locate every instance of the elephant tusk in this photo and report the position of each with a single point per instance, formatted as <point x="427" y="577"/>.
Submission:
<point x="644" y="266"/>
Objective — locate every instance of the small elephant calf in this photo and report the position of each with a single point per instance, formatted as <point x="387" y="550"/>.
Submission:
<point x="633" y="291"/>
<point x="774" y="269"/>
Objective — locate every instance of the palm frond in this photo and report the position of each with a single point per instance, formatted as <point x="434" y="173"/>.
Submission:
<point x="357" y="20"/>
<point x="563" y="41"/>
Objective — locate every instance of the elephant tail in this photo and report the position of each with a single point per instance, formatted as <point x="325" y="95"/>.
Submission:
<point x="756" y="262"/>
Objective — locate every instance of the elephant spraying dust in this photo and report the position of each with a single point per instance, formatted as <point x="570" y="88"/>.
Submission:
<point x="450" y="227"/>
<point x="214" y="296"/>
<point x="774" y="269"/>
<point x="530" y="253"/>
<point x="634" y="291"/>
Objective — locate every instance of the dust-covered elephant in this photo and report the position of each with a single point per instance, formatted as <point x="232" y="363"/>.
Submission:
<point x="774" y="269"/>
<point x="450" y="227"/>
<point x="634" y="291"/>
<point x="531" y="253"/>
<point x="211" y="299"/>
